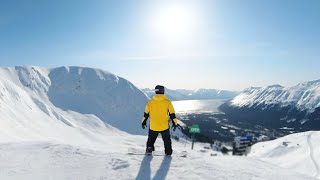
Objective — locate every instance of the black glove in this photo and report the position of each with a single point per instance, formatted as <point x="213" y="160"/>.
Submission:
<point x="174" y="126"/>
<point x="144" y="124"/>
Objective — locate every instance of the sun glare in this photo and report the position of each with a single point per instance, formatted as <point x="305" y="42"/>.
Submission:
<point x="174" y="22"/>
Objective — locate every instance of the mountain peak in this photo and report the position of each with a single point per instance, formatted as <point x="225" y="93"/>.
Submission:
<point x="250" y="89"/>
<point x="275" y="86"/>
<point x="310" y="83"/>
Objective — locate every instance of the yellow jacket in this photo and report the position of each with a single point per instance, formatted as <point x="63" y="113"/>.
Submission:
<point x="159" y="108"/>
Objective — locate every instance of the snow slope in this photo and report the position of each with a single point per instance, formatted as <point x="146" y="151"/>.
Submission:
<point x="47" y="160"/>
<point x="299" y="152"/>
<point x="304" y="96"/>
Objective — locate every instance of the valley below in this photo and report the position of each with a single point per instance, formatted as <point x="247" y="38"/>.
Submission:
<point x="217" y="125"/>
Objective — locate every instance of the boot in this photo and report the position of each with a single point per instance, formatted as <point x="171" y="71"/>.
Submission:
<point x="149" y="150"/>
<point x="168" y="152"/>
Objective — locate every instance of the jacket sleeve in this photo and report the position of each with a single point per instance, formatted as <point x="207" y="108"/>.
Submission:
<point x="172" y="114"/>
<point x="146" y="113"/>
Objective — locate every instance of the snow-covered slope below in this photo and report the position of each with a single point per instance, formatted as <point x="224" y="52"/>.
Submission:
<point x="47" y="160"/>
<point x="300" y="152"/>
<point x="304" y="96"/>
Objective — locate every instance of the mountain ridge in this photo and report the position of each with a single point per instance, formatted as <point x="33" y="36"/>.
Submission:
<point x="305" y="95"/>
<point x="198" y="94"/>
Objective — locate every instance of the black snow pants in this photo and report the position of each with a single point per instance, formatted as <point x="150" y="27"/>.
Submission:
<point x="165" y="137"/>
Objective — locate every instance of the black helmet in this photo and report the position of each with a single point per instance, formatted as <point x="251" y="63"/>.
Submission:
<point x="159" y="89"/>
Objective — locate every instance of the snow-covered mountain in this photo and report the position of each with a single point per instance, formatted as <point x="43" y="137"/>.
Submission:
<point x="37" y="102"/>
<point x="199" y="94"/>
<point x="304" y="96"/>
<point x="297" y="106"/>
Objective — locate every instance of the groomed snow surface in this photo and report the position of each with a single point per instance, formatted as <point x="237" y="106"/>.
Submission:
<point x="299" y="152"/>
<point x="50" y="129"/>
<point x="50" y="160"/>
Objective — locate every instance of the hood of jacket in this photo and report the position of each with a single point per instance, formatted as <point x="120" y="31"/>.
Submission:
<point x="159" y="97"/>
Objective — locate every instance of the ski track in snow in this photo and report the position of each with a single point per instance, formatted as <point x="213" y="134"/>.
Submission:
<point x="313" y="158"/>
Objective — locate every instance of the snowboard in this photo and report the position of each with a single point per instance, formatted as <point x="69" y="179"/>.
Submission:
<point x="135" y="151"/>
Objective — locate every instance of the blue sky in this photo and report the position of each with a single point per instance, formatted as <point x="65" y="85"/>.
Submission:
<point x="227" y="44"/>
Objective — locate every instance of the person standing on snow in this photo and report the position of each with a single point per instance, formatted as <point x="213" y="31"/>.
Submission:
<point x="159" y="109"/>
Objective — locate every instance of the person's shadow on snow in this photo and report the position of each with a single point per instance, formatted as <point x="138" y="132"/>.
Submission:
<point x="164" y="169"/>
<point x="145" y="169"/>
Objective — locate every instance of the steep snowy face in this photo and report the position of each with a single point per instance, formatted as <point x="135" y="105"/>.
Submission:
<point x="304" y="96"/>
<point x="113" y="99"/>
<point x="307" y="94"/>
<point x="34" y="78"/>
